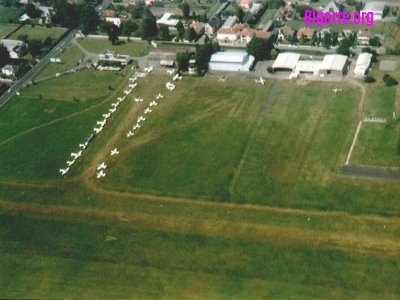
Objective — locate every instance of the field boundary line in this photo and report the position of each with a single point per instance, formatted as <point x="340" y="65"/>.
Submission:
<point x="354" y="143"/>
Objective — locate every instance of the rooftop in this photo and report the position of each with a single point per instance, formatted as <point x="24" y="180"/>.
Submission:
<point x="334" y="62"/>
<point x="286" y="60"/>
<point x="374" y="7"/>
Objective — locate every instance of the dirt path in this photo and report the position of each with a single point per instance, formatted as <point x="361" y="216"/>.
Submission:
<point x="362" y="101"/>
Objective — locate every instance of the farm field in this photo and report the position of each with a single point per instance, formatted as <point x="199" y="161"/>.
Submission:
<point x="38" y="32"/>
<point x="167" y="220"/>
<point x="129" y="48"/>
<point x="6" y="29"/>
<point x="70" y="57"/>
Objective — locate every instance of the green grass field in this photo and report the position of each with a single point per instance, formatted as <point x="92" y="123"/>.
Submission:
<point x="13" y="13"/>
<point x="38" y="32"/>
<point x="69" y="59"/>
<point x="377" y="145"/>
<point x="377" y="27"/>
<point x="129" y="48"/>
<point x="82" y="85"/>
<point x="166" y="221"/>
<point x="6" y="29"/>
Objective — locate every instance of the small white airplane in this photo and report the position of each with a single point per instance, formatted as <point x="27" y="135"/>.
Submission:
<point x="115" y="104"/>
<point x="262" y="81"/>
<point x="171" y="72"/>
<point x="102" y="123"/>
<point x="101" y="174"/>
<point x="114" y="151"/>
<point x="129" y="134"/>
<point x="152" y="103"/>
<point x="141" y="118"/>
<point x="132" y="79"/>
<point x="70" y="163"/>
<point x="126" y="92"/>
<point x="112" y="110"/>
<point x="148" y="70"/>
<point x="147" y="110"/>
<point x="101" y="166"/>
<point x="98" y="130"/>
<point x="159" y="96"/>
<point x="171" y="88"/>
<point x="336" y="90"/>
<point x="177" y="77"/>
<point x="169" y="84"/>
<point x="132" y="86"/>
<point x="120" y="99"/>
<point x="138" y="99"/>
<point x="83" y="146"/>
<point x="107" y="115"/>
<point x="64" y="171"/>
<point x="76" y="155"/>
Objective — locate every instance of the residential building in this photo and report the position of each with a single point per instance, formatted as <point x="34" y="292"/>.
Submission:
<point x="363" y="37"/>
<point x="344" y="34"/>
<point x="9" y="70"/>
<point x="15" y="48"/>
<point x="198" y="27"/>
<point x="263" y="35"/>
<point x="167" y="20"/>
<point x="247" y="34"/>
<point x="232" y="20"/>
<point x="212" y="26"/>
<point x="308" y="33"/>
<point x="108" y="14"/>
<point x="245" y="4"/>
<point x="285" y="32"/>
<point x="115" y="21"/>
<point x="377" y="8"/>
<point x="332" y="6"/>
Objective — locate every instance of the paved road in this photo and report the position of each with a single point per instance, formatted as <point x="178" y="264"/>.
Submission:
<point x="32" y="72"/>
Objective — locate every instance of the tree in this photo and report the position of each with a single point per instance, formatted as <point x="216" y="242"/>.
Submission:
<point x="180" y="29"/>
<point x="204" y="18"/>
<point x="327" y="41"/>
<point x="239" y="14"/>
<point x="190" y="34"/>
<point x="351" y="2"/>
<point x="24" y="38"/>
<point x="182" y="59"/>
<point x="48" y="42"/>
<point x="369" y="79"/>
<point x="163" y="32"/>
<point x="276" y="4"/>
<point x="137" y="10"/>
<point x="32" y="11"/>
<point x="301" y="9"/>
<point x="203" y="55"/>
<point x="389" y="80"/>
<point x="9" y="3"/>
<point x="216" y="47"/>
<point x="374" y="42"/>
<point x="344" y="47"/>
<point x="89" y="19"/>
<point x="185" y="10"/>
<point x="113" y="33"/>
<point x="129" y="27"/>
<point x="368" y="50"/>
<point x="34" y="48"/>
<point x="292" y="40"/>
<point x="148" y="28"/>
<point x="260" y="48"/>
<point x="4" y="56"/>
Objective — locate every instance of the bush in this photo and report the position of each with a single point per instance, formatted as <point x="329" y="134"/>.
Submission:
<point x="369" y="79"/>
<point x="386" y="76"/>
<point x="390" y="81"/>
<point x="270" y="70"/>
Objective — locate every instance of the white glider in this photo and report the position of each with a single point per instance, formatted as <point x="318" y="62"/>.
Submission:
<point x="114" y="151"/>
<point x="171" y="72"/>
<point x="101" y="174"/>
<point x="64" y="171"/>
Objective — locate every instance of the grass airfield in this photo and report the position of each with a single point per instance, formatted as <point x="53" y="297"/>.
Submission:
<point x="167" y="221"/>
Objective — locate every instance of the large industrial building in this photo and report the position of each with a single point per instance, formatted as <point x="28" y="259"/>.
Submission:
<point x="331" y="64"/>
<point x="231" y="61"/>
<point x="362" y="64"/>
